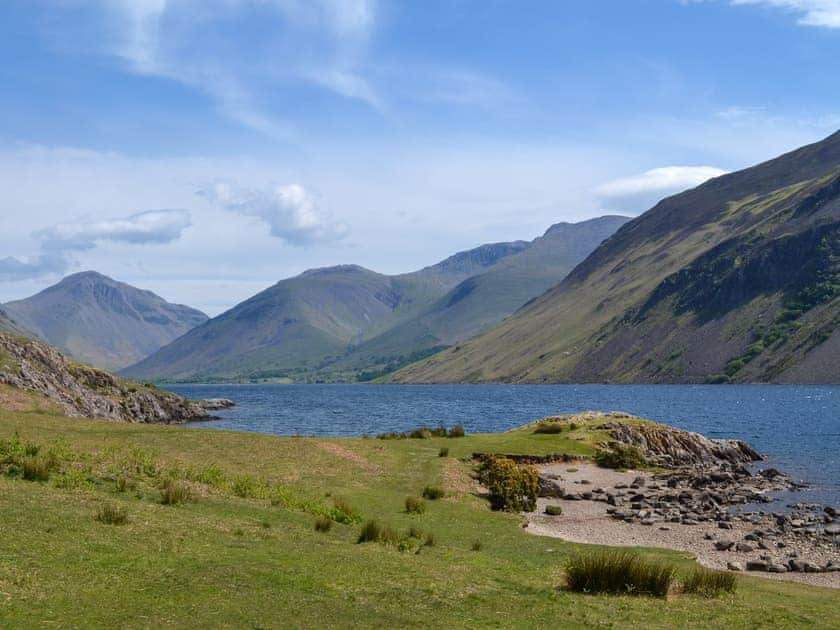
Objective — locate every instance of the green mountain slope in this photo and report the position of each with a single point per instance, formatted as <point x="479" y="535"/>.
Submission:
<point x="336" y="322"/>
<point x="103" y="322"/>
<point x="735" y="280"/>
<point x="486" y="298"/>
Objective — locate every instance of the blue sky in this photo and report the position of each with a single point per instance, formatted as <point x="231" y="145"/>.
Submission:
<point x="207" y="148"/>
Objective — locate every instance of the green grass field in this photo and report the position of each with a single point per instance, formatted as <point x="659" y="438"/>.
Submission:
<point x="244" y="551"/>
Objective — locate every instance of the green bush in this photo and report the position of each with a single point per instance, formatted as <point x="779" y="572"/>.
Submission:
<point x="175" y="492"/>
<point x="323" y="524"/>
<point x="549" y="428"/>
<point x="422" y="433"/>
<point x="512" y="488"/>
<point x="414" y="505"/>
<point x="248" y="488"/>
<point x="709" y="583"/>
<point x="343" y="512"/>
<point x="433" y="493"/>
<point x="620" y="456"/>
<point x="619" y="572"/>
<point x="553" y="510"/>
<point x="111" y="514"/>
<point x="456" y="432"/>
<point x="444" y="452"/>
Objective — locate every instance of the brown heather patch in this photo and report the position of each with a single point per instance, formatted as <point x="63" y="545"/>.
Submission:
<point x="346" y="453"/>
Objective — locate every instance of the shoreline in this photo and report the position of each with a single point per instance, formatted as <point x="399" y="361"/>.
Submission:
<point x="587" y="521"/>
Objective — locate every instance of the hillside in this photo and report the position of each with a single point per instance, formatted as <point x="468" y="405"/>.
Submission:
<point x="36" y="377"/>
<point x="737" y="280"/>
<point x="103" y="322"/>
<point x="338" y="322"/>
<point x="8" y="325"/>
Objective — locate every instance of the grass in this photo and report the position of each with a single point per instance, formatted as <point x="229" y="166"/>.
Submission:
<point x="618" y="572"/>
<point x="323" y="524"/>
<point x="111" y="514"/>
<point x="709" y="583"/>
<point x="549" y="428"/>
<point x="433" y="493"/>
<point x="414" y="505"/>
<point x="553" y="510"/>
<point x="175" y="492"/>
<point x="210" y="563"/>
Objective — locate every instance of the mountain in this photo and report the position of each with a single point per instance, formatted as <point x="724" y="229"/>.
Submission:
<point x="8" y="325"/>
<point x="103" y="322"/>
<point x="36" y="377"/>
<point x="737" y="280"/>
<point x="336" y="322"/>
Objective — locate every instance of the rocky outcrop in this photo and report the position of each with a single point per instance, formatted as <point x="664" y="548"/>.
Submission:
<point x="85" y="392"/>
<point x="668" y="447"/>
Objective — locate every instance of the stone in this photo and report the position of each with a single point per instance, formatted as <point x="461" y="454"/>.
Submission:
<point x="810" y="567"/>
<point x="734" y="566"/>
<point x="724" y="525"/>
<point x="796" y="565"/>
<point x="773" y="567"/>
<point x="724" y="545"/>
<point x="744" y="547"/>
<point x="756" y="565"/>
<point x="832" y="530"/>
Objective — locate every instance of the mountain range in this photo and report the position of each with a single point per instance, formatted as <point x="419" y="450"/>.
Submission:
<point x="100" y="321"/>
<point x="348" y="322"/>
<point x="737" y="280"/>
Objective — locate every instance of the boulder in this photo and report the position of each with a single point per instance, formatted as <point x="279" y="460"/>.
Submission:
<point x="756" y="565"/>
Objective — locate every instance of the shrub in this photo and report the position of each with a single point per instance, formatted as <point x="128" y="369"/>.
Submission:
<point x="433" y="493"/>
<point x="553" y="510"/>
<point x="709" y="583"/>
<point x="342" y="512"/>
<point x="34" y="468"/>
<point x="549" y="428"/>
<point x="414" y="506"/>
<point x="247" y="487"/>
<point x="444" y="452"/>
<point x="323" y="524"/>
<point x="456" y="432"/>
<point x="111" y="514"/>
<point x="121" y="483"/>
<point x="421" y="433"/>
<point x="476" y="546"/>
<point x="620" y="456"/>
<point x="513" y="488"/>
<point x="619" y="572"/>
<point x="175" y="492"/>
<point x="573" y="426"/>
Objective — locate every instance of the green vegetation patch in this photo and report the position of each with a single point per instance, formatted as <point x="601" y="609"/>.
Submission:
<point x="619" y="573"/>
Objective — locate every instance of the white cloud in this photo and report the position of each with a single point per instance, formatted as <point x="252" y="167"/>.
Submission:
<point x="637" y="193"/>
<point x="288" y="210"/>
<point x="823" y="13"/>
<point x="155" y="226"/>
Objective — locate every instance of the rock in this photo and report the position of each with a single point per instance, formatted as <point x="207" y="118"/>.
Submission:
<point x="796" y="565"/>
<point x="756" y="565"/>
<point x="724" y="525"/>
<point x="832" y="530"/>
<point x="664" y="528"/>
<point x="744" y="547"/>
<point x="585" y="482"/>
<point x="773" y="567"/>
<point x="571" y="496"/>
<point x="724" y="545"/>
<point x="832" y="512"/>
<point x="550" y="489"/>
<point x="832" y="567"/>
<point x="215" y="404"/>
<point x="734" y="566"/>
<point x="810" y="567"/>
<point x="638" y="482"/>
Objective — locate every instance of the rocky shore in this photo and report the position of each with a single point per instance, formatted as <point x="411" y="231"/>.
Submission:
<point x="708" y="502"/>
<point x="84" y="391"/>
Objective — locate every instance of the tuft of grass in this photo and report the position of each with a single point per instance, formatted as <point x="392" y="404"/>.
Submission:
<point x="414" y="505"/>
<point x="323" y="524"/>
<point x="456" y="432"/>
<point x="618" y="572"/>
<point x="444" y="452"/>
<point x="553" y="510"/>
<point x="175" y="492"/>
<point x="709" y="583"/>
<point x="371" y="532"/>
<point x="112" y="514"/>
<point x="343" y="512"/>
<point x="433" y="493"/>
<point x="476" y="546"/>
<point x="550" y="428"/>
<point x="35" y="468"/>
<point x="247" y="487"/>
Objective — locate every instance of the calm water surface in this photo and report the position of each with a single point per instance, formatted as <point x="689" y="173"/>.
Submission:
<point x="797" y="427"/>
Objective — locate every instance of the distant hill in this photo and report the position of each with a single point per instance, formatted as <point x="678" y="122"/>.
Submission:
<point x="340" y="322"/>
<point x="8" y="325"/>
<point x="737" y="280"/>
<point x="103" y="322"/>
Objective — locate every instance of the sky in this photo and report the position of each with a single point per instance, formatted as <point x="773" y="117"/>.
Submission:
<point x="205" y="149"/>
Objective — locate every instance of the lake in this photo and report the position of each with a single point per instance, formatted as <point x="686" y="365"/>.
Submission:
<point x="797" y="427"/>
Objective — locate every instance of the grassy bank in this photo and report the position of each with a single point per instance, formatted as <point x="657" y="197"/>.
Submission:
<point x="243" y="551"/>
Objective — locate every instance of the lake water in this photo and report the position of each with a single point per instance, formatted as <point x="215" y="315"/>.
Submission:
<point x="797" y="427"/>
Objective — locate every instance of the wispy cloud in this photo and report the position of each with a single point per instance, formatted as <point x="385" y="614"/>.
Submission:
<point x="822" y="13"/>
<point x="57" y="242"/>
<point x="637" y="193"/>
<point x="289" y="211"/>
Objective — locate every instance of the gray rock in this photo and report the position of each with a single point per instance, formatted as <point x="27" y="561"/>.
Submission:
<point x="773" y="567"/>
<point x="724" y="545"/>
<point x="744" y="547"/>
<point x="756" y="565"/>
<point x="724" y="525"/>
<point x="734" y="566"/>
